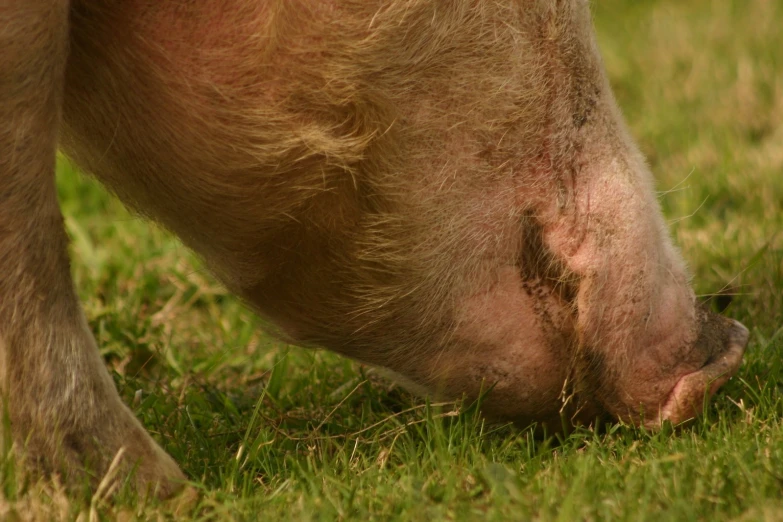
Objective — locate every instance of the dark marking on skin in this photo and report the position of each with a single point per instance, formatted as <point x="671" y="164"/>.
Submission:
<point x="74" y="444"/>
<point x="591" y="363"/>
<point x="588" y="382"/>
<point x="537" y="264"/>
<point x="586" y="99"/>
<point x="539" y="292"/>
<point x="491" y="374"/>
<point x="545" y="276"/>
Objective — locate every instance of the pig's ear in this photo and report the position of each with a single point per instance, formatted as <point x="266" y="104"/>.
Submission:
<point x="689" y="395"/>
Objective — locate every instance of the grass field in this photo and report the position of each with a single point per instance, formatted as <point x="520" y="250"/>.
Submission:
<point x="268" y="431"/>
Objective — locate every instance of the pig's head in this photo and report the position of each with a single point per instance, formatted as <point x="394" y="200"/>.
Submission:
<point x="482" y="220"/>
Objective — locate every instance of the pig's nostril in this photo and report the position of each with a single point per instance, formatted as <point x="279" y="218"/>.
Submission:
<point x="736" y="339"/>
<point x="738" y="334"/>
<point x="687" y="397"/>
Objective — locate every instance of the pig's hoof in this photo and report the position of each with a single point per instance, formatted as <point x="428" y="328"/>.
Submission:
<point x="105" y="458"/>
<point x="688" y="397"/>
<point x="156" y="474"/>
<point x="184" y="501"/>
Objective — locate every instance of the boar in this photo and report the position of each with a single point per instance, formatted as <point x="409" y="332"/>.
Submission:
<point x="443" y="189"/>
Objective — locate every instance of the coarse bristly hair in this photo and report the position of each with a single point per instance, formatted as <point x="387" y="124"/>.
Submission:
<point x="357" y="171"/>
<point x="341" y="158"/>
<point x="445" y="189"/>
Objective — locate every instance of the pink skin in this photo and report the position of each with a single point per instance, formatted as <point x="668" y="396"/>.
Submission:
<point x="640" y="349"/>
<point x="621" y="334"/>
<point x="659" y="356"/>
<point x="635" y="298"/>
<point x="516" y="343"/>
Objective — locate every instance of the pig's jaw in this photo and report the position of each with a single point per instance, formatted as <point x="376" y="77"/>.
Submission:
<point x="515" y="338"/>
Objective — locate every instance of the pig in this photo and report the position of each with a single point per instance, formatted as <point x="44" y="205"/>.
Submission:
<point x="443" y="189"/>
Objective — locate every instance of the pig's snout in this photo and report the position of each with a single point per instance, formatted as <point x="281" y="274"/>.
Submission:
<point x="726" y="340"/>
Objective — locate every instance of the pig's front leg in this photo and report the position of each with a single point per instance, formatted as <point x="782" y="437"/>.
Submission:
<point x="64" y="410"/>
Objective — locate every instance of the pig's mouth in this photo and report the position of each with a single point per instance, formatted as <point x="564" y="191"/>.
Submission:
<point x="687" y="398"/>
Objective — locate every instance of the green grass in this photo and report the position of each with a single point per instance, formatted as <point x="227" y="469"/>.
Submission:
<point x="268" y="431"/>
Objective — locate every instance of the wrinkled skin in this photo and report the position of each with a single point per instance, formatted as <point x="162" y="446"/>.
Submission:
<point x="443" y="189"/>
